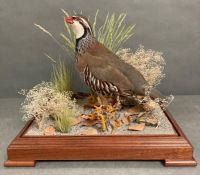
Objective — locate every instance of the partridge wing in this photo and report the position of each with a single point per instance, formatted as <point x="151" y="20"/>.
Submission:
<point x="105" y="71"/>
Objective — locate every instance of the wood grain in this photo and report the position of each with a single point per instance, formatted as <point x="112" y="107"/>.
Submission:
<point x="174" y="150"/>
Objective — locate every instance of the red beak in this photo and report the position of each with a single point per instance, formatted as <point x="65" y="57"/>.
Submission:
<point x="69" y="20"/>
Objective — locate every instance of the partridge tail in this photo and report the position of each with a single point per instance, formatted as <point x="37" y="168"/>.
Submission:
<point x="156" y="94"/>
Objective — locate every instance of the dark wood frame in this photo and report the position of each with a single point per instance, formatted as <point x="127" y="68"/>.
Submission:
<point x="175" y="150"/>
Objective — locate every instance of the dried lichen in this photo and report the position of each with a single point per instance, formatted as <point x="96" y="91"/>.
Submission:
<point x="149" y="62"/>
<point x="44" y="101"/>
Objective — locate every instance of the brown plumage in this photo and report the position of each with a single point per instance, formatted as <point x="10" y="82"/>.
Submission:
<point x="103" y="71"/>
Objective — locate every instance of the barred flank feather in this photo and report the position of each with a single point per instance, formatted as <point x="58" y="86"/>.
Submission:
<point x="103" y="87"/>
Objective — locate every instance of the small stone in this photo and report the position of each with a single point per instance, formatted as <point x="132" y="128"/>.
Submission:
<point x="90" y="131"/>
<point x="136" y="127"/>
<point x="50" y="130"/>
<point x="148" y="119"/>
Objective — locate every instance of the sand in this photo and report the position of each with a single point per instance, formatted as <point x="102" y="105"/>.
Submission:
<point x="164" y="127"/>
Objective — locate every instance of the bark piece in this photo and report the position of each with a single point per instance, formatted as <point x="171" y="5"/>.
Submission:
<point x="136" y="127"/>
<point x="90" y="131"/>
<point x="148" y="119"/>
<point x="89" y="122"/>
<point x="134" y="111"/>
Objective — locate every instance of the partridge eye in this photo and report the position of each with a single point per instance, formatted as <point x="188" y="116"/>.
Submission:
<point x="78" y="18"/>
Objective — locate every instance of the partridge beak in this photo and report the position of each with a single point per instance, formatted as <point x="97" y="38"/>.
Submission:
<point x="69" y="20"/>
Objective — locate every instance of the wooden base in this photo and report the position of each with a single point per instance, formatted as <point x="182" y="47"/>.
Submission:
<point x="171" y="162"/>
<point x="18" y="163"/>
<point x="175" y="150"/>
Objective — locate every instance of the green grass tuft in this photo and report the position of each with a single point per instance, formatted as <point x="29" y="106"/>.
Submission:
<point x="63" y="121"/>
<point x="61" y="77"/>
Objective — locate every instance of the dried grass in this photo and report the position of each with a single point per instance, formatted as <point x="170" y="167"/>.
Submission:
<point x="61" y="77"/>
<point x="113" y="33"/>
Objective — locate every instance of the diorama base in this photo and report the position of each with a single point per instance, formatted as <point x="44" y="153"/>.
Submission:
<point x="174" y="150"/>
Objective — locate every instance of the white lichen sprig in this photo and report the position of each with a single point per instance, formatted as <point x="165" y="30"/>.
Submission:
<point x="44" y="101"/>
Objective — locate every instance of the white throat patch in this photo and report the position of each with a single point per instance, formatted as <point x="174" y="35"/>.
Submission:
<point x="78" y="29"/>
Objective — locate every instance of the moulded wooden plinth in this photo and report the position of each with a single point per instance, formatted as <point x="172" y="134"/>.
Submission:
<point x="174" y="150"/>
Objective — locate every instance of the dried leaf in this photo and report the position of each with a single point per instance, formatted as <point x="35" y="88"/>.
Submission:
<point x="136" y="127"/>
<point x="92" y="116"/>
<point x="135" y="110"/>
<point x="98" y="109"/>
<point x="117" y="123"/>
<point x="125" y="120"/>
<point x="90" y="131"/>
<point x="84" y="116"/>
<point x="88" y="106"/>
<point x="50" y="130"/>
<point x="110" y="109"/>
<point x="89" y="122"/>
<point x="76" y="120"/>
<point x="148" y="119"/>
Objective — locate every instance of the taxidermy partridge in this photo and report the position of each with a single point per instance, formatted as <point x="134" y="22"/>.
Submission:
<point x="103" y="71"/>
